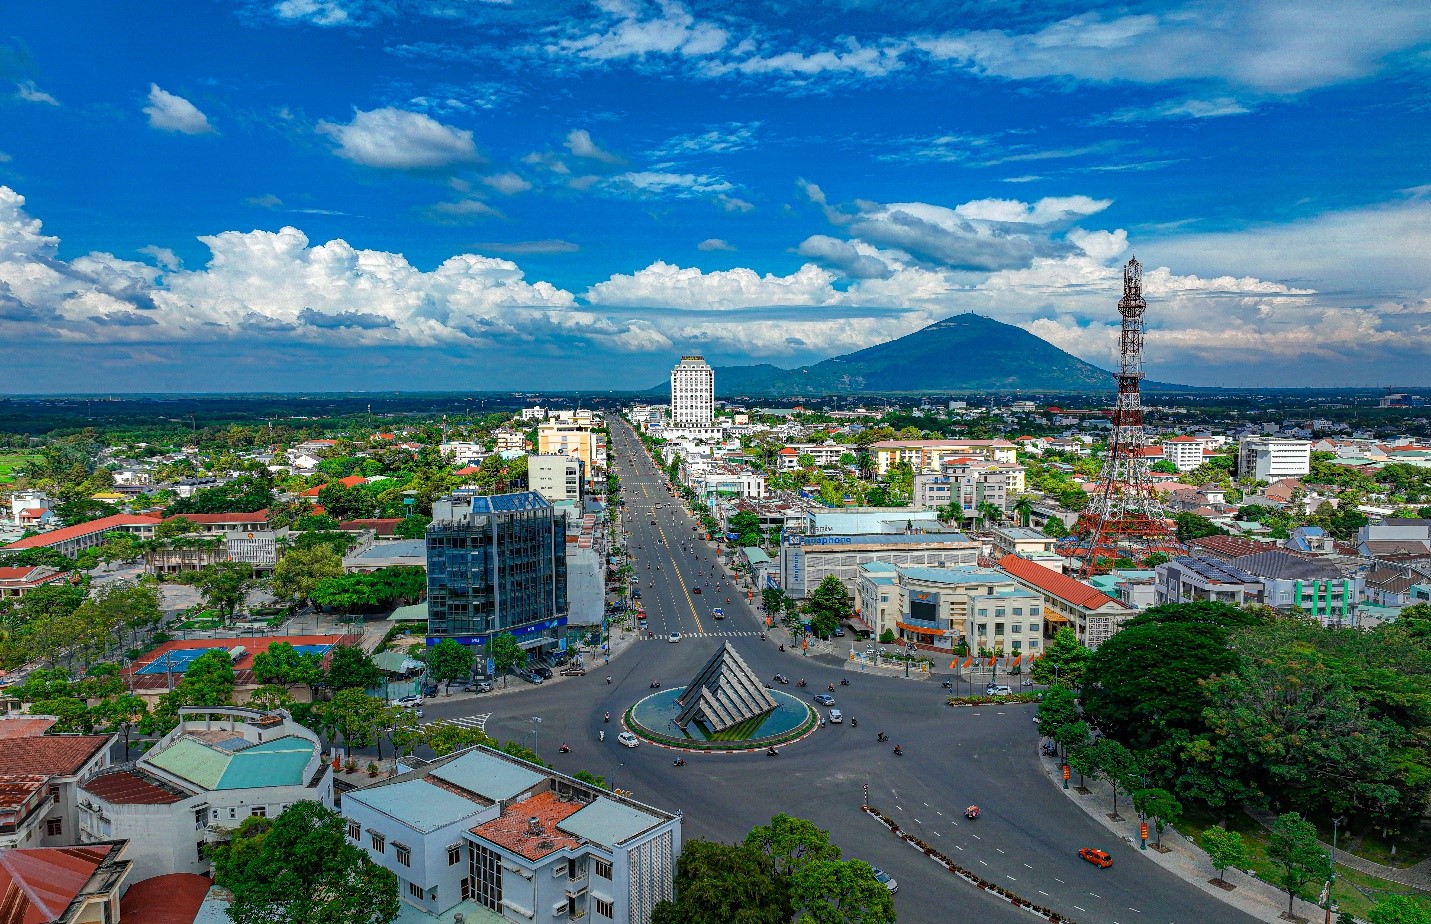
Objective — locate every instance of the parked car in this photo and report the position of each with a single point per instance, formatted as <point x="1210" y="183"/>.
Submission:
<point x="824" y="699"/>
<point x="836" y="717"/>
<point x="429" y="689"/>
<point x="530" y="677"/>
<point x="839" y="632"/>
<point x="695" y="590"/>
<point x="886" y="878"/>
<point x="628" y="740"/>
<point x="573" y="670"/>
<point x="542" y="671"/>
<point x="481" y="686"/>
<point x="1098" y="858"/>
<point x="407" y="702"/>
<point x="999" y="690"/>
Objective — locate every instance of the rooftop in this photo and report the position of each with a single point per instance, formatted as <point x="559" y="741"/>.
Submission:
<point x="513" y="828"/>
<point x="418" y="803"/>
<point x="1059" y="585"/>
<point x="171" y="899"/>
<point x="280" y="762"/>
<point x="132" y="786"/>
<point x="55" y="755"/>
<point x="25" y="726"/>
<point x="37" y="885"/>
<point x="488" y="776"/>
<point x="608" y="823"/>
<point x="54" y="537"/>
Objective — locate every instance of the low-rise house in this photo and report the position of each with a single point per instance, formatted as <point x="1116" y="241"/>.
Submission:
<point x="18" y="580"/>
<point x="63" y="885"/>
<point x="71" y="540"/>
<point x="483" y="830"/>
<point x="1191" y="578"/>
<point x="225" y="522"/>
<point x="39" y="779"/>
<point x="220" y="765"/>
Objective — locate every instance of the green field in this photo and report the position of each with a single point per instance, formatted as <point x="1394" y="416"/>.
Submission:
<point x="9" y="462"/>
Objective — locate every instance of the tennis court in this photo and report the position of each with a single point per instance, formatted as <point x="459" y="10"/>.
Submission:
<point x="177" y="660"/>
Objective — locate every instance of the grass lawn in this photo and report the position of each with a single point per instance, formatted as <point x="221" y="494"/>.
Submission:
<point x="10" y="461"/>
<point x="1354" y="892"/>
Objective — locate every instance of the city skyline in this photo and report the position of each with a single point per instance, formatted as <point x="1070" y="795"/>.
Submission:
<point x="342" y="194"/>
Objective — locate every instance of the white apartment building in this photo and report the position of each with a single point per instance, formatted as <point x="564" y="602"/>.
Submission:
<point x="692" y="393"/>
<point x="1268" y="459"/>
<point x="944" y="607"/>
<point x="826" y="455"/>
<point x="463" y="453"/>
<point x="483" y="830"/>
<point x="1186" y="452"/>
<point x="556" y="477"/>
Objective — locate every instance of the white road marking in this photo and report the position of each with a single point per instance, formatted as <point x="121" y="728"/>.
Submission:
<point x="1085" y="910"/>
<point x="1042" y="892"/>
<point x="982" y="863"/>
<point x="999" y="849"/>
<point x="1056" y="879"/>
<point x="1095" y="894"/>
<point x="1007" y="876"/>
<point x="976" y="837"/>
<point x="956" y="845"/>
<point x="937" y="834"/>
<point x="1026" y="866"/>
<point x="940" y="814"/>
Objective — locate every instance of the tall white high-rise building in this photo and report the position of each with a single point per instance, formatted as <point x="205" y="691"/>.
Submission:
<point x="692" y="393"/>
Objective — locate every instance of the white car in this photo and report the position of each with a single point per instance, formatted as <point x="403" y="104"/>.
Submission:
<point x="885" y="878"/>
<point x="836" y="717"/>
<point x="675" y="637"/>
<point x="407" y="702"/>
<point x="628" y="740"/>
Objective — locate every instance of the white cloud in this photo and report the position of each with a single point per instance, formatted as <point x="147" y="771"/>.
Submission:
<point x="171" y="113"/>
<point x="265" y="201"/>
<point x="507" y="183"/>
<point x="317" y="12"/>
<point x="727" y="139"/>
<point x="164" y="257"/>
<point x="528" y="247"/>
<point x="854" y="260"/>
<point x="579" y="143"/>
<point x="714" y="243"/>
<point x="659" y="183"/>
<point x="850" y="57"/>
<point x="1189" y="108"/>
<point x="735" y="204"/>
<point x="395" y="139"/>
<point x="462" y="210"/>
<point x="634" y="29"/>
<point x="662" y="285"/>
<point x="1272" y="46"/>
<point x="27" y="91"/>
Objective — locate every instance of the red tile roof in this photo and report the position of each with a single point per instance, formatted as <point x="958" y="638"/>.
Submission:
<point x="258" y="516"/>
<point x="509" y="830"/>
<point x="53" y="537"/>
<point x="15" y="791"/>
<point x="60" y="755"/>
<point x="383" y="526"/>
<point x="353" y="481"/>
<point x="1229" y="547"/>
<point x="1183" y="439"/>
<point x="468" y="470"/>
<point x="24" y="726"/>
<point x="1060" y="585"/>
<point x="131" y="787"/>
<point x="38" y="884"/>
<point x="171" y="899"/>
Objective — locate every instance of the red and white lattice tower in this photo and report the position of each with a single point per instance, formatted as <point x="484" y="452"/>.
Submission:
<point x="1124" y="519"/>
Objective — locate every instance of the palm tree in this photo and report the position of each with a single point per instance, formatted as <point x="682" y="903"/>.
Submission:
<point x="989" y="513"/>
<point x="1023" y="508"/>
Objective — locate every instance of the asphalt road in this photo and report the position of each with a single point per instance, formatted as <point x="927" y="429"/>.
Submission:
<point x="1028" y="834"/>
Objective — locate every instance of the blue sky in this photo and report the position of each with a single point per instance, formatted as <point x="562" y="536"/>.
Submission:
<point x="306" y="194"/>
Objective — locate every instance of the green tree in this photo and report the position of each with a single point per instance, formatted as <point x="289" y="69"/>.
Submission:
<point x="772" y="599"/>
<point x="788" y="843"/>
<point x="1117" y="765"/>
<point x="1224" y="848"/>
<point x="350" y="668"/>
<point x="413" y="527"/>
<point x="828" y="606"/>
<point x="1073" y="736"/>
<point x="1023" y="508"/>
<point x="840" y="892"/>
<point x="1399" y="909"/>
<point x="347" y="503"/>
<point x="586" y="776"/>
<point x="1054" y="527"/>
<point x="722" y="884"/>
<point x="283" y="664"/>
<point x="1299" y="856"/>
<point x="299" y="571"/>
<point x="209" y="680"/>
<point x="445" y="738"/>
<point x="449" y="660"/>
<point x="1057" y="709"/>
<point x="887" y="637"/>
<point x="224" y="585"/>
<point x="1159" y="805"/>
<point x="300" y="868"/>
<point x="506" y="653"/>
<point x="522" y="752"/>
<point x="1190" y="526"/>
<point x="353" y="715"/>
<point x="1063" y="661"/>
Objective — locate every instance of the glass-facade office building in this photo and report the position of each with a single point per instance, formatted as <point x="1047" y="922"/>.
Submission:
<point x="496" y="563"/>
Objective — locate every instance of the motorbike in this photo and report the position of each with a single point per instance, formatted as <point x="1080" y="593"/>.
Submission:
<point x="678" y="762"/>
<point x="854" y="723"/>
<point x="948" y="684"/>
<point x="800" y="684"/>
<point x="608" y="681"/>
<point x="844" y="681"/>
<point x="881" y="737"/>
<point x="565" y="749"/>
<point x="782" y="646"/>
<point x="971" y="812"/>
<point x="608" y="717"/>
<point x="601" y="735"/>
<point x="830" y="687"/>
<point x="1050" y="749"/>
<point x="771" y="752"/>
<point x="897" y="751"/>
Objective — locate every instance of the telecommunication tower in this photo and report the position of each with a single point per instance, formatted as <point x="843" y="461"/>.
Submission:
<point x="1124" y="518"/>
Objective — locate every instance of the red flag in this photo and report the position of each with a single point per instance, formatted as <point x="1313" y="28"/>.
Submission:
<point x="968" y="662"/>
<point x="1017" y="660"/>
<point x="994" y="660"/>
<point x="954" y="665"/>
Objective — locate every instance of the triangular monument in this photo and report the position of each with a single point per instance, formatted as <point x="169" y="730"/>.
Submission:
<point x="724" y="694"/>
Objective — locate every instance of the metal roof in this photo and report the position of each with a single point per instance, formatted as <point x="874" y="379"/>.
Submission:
<point x="608" y="823"/>
<point x="280" y="762"/>
<point x="416" y="803"/>
<point x="488" y="776"/>
<point x="502" y="503"/>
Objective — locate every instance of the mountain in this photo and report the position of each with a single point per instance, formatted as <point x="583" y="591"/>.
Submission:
<point x="967" y="352"/>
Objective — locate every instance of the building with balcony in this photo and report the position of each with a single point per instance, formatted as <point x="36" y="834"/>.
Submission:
<point x="40" y="776"/>
<point x="967" y="610"/>
<point x="496" y="563"/>
<point x="805" y="561"/>
<point x="556" y="437"/>
<point x="1268" y="459"/>
<point x="930" y="455"/>
<point x="481" y="829"/>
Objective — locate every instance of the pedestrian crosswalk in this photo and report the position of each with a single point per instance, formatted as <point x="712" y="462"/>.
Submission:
<point x="686" y="635"/>
<point x="478" y="722"/>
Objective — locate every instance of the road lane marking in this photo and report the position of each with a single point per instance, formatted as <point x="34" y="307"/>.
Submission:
<point x="918" y="822"/>
<point x="937" y="834"/>
<point x="1095" y="894"/>
<point x="1011" y="878"/>
<point x="956" y="845"/>
<point x="977" y="837"/>
<point x="1026" y="866"/>
<point x="1084" y="910"/>
<point x="983" y="863"/>
<point x="1056" y="879"/>
<point x="940" y="814"/>
<point x="1042" y="892"/>
<point x="999" y="849"/>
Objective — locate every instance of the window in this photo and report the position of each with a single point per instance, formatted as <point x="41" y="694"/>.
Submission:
<point x="998" y="628"/>
<point x="355" y="831"/>
<point x="454" y="855"/>
<point x="200" y="816"/>
<point x="603" y="868"/>
<point x="199" y="851"/>
<point x="259" y="811"/>
<point x="983" y="628"/>
<point x="605" y="908"/>
<point x="54" y="793"/>
<point x="1033" y="627"/>
<point x="54" y="827"/>
<point x="416" y="891"/>
<point x="379" y="842"/>
<point x="1016" y="627"/>
<point x="1033" y="643"/>
<point x="1018" y="611"/>
<point x="403" y="853"/>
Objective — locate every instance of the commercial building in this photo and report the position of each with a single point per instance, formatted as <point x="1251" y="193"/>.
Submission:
<point x="1190" y="578"/>
<point x="1268" y="459"/>
<point x="557" y="477"/>
<point x="930" y="455"/>
<point x="805" y="561"/>
<point x="974" y="610"/>
<point x="557" y="437"/>
<point x="1024" y="541"/>
<point x="825" y="455"/>
<point x="496" y="564"/>
<point x="850" y="521"/>
<point x="970" y="491"/>
<point x="692" y="394"/>
<point x="220" y="765"/>
<point x="1094" y="616"/>
<point x="483" y="830"/>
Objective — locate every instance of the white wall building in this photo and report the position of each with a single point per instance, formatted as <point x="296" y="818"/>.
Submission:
<point x="463" y="453"/>
<point x="556" y="477"/>
<point x="692" y="393"/>
<point x="1267" y="459"/>
<point x="1186" y="452"/>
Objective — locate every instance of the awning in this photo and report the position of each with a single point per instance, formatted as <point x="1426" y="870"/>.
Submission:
<point x="925" y="630"/>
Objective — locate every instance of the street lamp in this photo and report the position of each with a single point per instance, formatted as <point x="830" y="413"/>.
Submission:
<point x="1332" y="865"/>
<point x="536" y="733"/>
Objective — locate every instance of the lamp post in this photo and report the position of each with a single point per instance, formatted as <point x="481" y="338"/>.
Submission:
<point x="1332" y="865"/>
<point x="536" y="733"/>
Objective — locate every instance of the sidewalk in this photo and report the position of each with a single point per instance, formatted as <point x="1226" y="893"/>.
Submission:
<point x="1261" y="899"/>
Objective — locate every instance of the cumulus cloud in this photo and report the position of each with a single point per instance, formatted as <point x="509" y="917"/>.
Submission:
<point x="635" y="29"/>
<point x="395" y="139"/>
<point x="714" y="243"/>
<point x="507" y="183"/>
<point x="171" y="113"/>
<point x="27" y="91"/>
<point x="850" y="259"/>
<point x="663" y="285"/>
<point x="579" y="143"/>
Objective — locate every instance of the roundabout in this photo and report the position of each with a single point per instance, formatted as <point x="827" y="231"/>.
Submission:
<point x="655" y="719"/>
